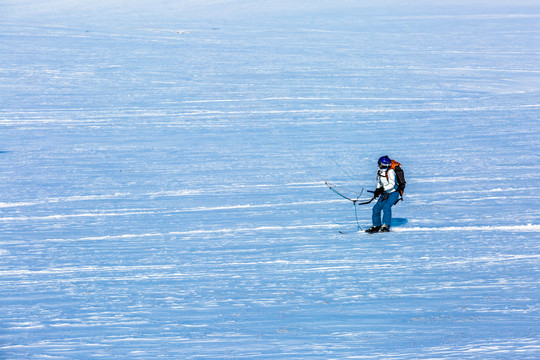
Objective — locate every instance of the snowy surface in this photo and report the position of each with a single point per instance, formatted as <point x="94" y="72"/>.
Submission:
<point x="161" y="180"/>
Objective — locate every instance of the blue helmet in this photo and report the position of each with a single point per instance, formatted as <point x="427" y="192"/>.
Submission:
<point x="385" y="161"/>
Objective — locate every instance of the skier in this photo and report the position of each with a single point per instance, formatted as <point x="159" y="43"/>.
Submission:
<point x="388" y="191"/>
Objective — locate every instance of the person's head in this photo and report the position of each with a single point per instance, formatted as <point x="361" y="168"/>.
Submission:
<point x="385" y="162"/>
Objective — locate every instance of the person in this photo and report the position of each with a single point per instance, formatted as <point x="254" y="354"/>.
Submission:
<point x="388" y="194"/>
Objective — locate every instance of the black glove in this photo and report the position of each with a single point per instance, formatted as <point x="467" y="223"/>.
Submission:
<point x="378" y="192"/>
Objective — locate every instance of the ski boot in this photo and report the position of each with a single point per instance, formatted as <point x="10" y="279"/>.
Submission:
<point x="373" y="229"/>
<point x="384" y="228"/>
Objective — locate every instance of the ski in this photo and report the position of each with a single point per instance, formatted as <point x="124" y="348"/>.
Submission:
<point x="359" y="229"/>
<point x="344" y="232"/>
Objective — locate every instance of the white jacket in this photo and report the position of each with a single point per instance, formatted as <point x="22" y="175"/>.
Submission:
<point x="387" y="183"/>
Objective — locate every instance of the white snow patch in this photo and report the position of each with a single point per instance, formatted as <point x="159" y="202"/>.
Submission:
<point x="523" y="228"/>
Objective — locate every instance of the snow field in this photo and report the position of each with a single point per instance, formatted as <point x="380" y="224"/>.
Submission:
<point x="162" y="192"/>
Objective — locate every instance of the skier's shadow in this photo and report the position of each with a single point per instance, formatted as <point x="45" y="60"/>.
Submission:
<point x="398" y="221"/>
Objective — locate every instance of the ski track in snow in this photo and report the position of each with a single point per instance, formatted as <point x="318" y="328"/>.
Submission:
<point x="162" y="192"/>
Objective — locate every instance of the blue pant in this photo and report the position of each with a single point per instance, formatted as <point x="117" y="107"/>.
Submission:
<point x="385" y="203"/>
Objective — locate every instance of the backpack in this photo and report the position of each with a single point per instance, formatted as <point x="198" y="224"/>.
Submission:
<point x="400" y="176"/>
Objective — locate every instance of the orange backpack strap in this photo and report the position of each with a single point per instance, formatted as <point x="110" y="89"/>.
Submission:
<point x="393" y="167"/>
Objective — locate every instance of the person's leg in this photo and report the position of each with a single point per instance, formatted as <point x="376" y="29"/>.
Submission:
<point x="377" y="209"/>
<point x="387" y="207"/>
